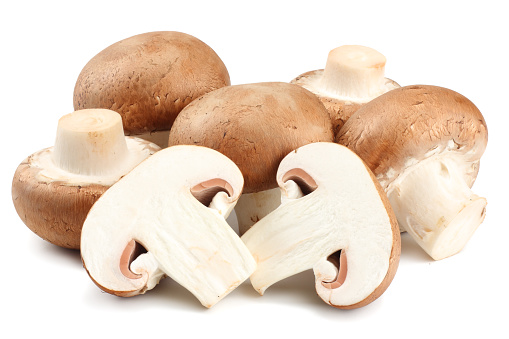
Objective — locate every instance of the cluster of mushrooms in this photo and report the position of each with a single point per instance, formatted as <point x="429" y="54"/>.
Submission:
<point x="324" y="172"/>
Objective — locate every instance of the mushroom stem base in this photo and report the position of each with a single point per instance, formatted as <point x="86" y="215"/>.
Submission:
<point x="435" y="205"/>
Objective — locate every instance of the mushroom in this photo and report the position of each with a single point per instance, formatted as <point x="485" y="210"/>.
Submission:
<point x="54" y="188"/>
<point x="167" y="217"/>
<point x="255" y="125"/>
<point x="336" y="219"/>
<point x="353" y="76"/>
<point x="424" y="144"/>
<point x="148" y="79"/>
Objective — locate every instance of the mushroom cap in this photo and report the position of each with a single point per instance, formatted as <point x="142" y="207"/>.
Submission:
<point x="255" y="125"/>
<point x="55" y="211"/>
<point x="340" y="109"/>
<point x="409" y="124"/>
<point x="149" y="78"/>
<point x="54" y="203"/>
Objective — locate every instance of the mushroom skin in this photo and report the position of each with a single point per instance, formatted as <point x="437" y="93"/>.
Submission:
<point x="330" y="202"/>
<point x="55" y="211"/>
<point x="54" y="188"/>
<point x="424" y="144"/>
<point x="255" y="125"/>
<point x="161" y="205"/>
<point x="353" y="75"/>
<point x="148" y="79"/>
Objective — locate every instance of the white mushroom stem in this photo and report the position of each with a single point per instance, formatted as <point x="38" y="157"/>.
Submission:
<point x="436" y="206"/>
<point x="252" y="207"/>
<point x="90" y="142"/>
<point x="354" y="72"/>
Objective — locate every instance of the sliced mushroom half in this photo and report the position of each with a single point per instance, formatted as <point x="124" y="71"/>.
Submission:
<point x="172" y="207"/>
<point x="335" y="219"/>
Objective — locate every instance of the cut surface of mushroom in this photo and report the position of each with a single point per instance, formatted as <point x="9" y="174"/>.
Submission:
<point x="53" y="189"/>
<point x="331" y="203"/>
<point x="353" y="75"/>
<point x="148" y="78"/>
<point x="160" y="206"/>
<point x="424" y="144"/>
<point x="255" y="125"/>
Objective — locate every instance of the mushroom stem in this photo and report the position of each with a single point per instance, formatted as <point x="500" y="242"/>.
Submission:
<point x="437" y="207"/>
<point x="251" y="207"/>
<point x="90" y="142"/>
<point x="354" y="72"/>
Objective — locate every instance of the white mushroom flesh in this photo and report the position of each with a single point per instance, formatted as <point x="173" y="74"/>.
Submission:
<point x="344" y="212"/>
<point x="154" y="206"/>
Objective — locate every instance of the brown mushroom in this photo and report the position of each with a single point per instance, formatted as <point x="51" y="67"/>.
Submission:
<point x="424" y="144"/>
<point x="255" y="125"/>
<point x="148" y="79"/>
<point x="53" y="189"/>
<point x="353" y="76"/>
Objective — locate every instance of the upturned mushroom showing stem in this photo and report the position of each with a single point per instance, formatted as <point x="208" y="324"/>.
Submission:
<point x="331" y="203"/>
<point x="53" y="189"/>
<point x="424" y="144"/>
<point x="174" y="206"/>
<point x="353" y="76"/>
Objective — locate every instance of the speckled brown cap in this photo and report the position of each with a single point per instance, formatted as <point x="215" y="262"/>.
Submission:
<point x="411" y="123"/>
<point x="149" y="78"/>
<point x="255" y="125"/>
<point x="55" y="211"/>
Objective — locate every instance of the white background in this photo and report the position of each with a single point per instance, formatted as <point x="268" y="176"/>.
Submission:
<point x="461" y="45"/>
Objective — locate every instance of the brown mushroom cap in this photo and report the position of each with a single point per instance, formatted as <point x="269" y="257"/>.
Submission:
<point x="149" y="78"/>
<point x="255" y="125"/>
<point x="340" y="110"/>
<point x="412" y="122"/>
<point x="55" y="211"/>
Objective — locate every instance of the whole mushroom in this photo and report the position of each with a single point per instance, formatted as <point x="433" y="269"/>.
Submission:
<point x="54" y="188"/>
<point x="334" y="219"/>
<point x="148" y="79"/>
<point x="424" y="144"/>
<point x="255" y="125"/>
<point x="353" y="76"/>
